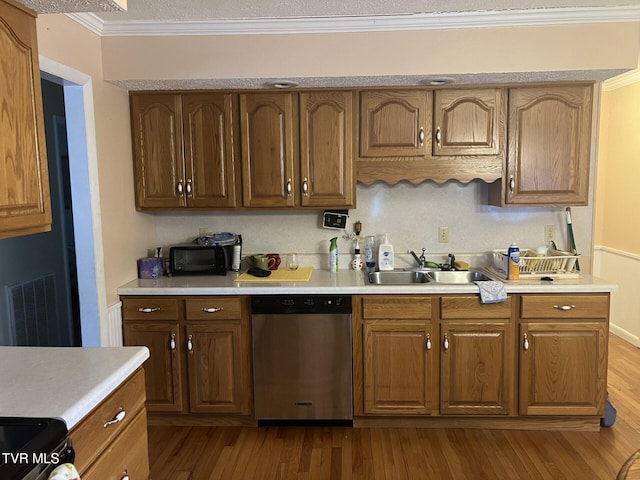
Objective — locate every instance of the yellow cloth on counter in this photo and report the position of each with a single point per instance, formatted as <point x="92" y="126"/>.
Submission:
<point x="302" y="274"/>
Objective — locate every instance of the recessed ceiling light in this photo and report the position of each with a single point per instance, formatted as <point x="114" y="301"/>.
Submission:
<point x="439" y="81"/>
<point x="282" y="84"/>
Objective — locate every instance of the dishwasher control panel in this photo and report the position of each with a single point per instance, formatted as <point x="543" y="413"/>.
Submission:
<point x="292" y="304"/>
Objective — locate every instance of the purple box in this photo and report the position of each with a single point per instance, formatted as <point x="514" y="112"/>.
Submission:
<point x="150" y="267"/>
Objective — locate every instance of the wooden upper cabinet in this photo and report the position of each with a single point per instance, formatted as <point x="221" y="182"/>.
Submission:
<point x="157" y="150"/>
<point x="395" y="123"/>
<point x="25" y="205"/>
<point x="183" y="150"/>
<point x="267" y="126"/>
<point x="469" y="122"/>
<point x="209" y="150"/>
<point x="549" y="146"/>
<point x="326" y="149"/>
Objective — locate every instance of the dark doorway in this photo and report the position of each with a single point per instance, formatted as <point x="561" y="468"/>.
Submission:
<point x="39" y="300"/>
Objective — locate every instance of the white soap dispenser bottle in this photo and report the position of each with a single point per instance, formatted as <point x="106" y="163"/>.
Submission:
<point x="385" y="255"/>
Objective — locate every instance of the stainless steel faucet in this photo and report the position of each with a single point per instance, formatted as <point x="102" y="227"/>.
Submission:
<point x="422" y="260"/>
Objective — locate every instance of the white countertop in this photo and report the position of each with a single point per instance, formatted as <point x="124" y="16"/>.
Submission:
<point x="347" y="282"/>
<point x="62" y="382"/>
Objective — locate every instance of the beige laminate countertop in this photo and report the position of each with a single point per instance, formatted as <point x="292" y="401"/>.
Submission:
<point x="343" y="282"/>
<point x="62" y="382"/>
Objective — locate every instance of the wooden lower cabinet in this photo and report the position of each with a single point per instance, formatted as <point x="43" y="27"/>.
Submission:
<point x="110" y="450"/>
<point x="477" y="357"/>
<point x="563" y="354"/>
<point x="525" y="361"/>
<point x="200" y="352"/>
<point x="398" y="368"/>
<point x="398" y="375"/>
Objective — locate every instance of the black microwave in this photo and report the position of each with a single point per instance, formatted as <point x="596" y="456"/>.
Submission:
<point x="194" y="259"/>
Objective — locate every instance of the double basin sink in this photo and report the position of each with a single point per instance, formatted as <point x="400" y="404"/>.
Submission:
<point x="409" y="277"/>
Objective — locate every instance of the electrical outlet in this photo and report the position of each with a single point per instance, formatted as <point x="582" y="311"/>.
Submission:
<point x="443" y="234"/>
<point x="549" y="233"/>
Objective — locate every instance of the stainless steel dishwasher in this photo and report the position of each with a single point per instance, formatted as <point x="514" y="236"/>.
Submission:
<point x="302" y="357"/>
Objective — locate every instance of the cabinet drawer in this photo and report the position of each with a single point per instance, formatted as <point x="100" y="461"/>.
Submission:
<point x="395" y="307"/>
<point x="214" y="308"/>
<point x="564" y="306"/>
<point x="470" y="307"/>
<point x="91" y="436"/>
<point x="128" y="453"/>
<point x="151" y="308"/>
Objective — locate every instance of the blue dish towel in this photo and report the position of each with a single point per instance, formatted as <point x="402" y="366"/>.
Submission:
<point x="492" y="292"/>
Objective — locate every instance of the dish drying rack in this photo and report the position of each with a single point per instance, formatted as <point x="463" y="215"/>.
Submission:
<point x="555" y="263"/>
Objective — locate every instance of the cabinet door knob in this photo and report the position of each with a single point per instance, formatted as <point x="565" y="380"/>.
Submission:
<point x="445" y="342"/>
<point x="180" y="188"/>
<point x="289" y="187"/>
<point x="305" y="186"/>
<point x="172" y="342"/>
<point x="125" y="475"/>
<point x="421" y="136"/>
<point x="512" y="184"/>
<point x="117" y="418"/>
<point x="190" y="343"/>
<point x="438" y="136"/>
<point x="564" y="308"/>
<point x="212" y="309"/>
<point x="189" y="187"/>
<point x="428" y="341"/>
<point x="148" y="309"/>
<point x="525" y="343"/>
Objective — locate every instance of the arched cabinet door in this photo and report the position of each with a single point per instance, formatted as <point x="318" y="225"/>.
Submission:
<point x="269" y="145"/>
<point x="25" y="206"/>
<point x="549" y="145"/>
<point x="468" y="121"/>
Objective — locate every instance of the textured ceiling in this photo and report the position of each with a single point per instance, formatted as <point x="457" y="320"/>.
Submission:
<point x="171" y="10"/>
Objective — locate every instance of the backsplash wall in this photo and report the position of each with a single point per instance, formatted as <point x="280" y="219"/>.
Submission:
<point x="410" y="214"/>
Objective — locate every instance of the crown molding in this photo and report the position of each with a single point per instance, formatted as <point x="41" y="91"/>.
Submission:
<point x="623" y="80"/>
<point x="372" y="23"/>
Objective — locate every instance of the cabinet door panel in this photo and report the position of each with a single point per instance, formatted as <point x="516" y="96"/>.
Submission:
<point x="468" y="122"/>
<point x="563" y="368"/>
<point x="209" y="150"/>
<point x="163" y="378"/>
<point x="326" y="144"/>
<point x="398" y="376"/>
<point x="216" y="369"/>
<point x="25" y="205"/>
<point x="268" y="150"/>
<point x="549" y="145"/>
<point x="477" y="368"/>
<point x="395" y="123"/>
<point x="158" y="150"/>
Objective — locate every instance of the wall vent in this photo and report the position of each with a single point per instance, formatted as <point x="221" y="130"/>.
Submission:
<point x="33" y="311"/>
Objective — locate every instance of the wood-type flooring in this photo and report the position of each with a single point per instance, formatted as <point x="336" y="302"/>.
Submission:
<point x="199" y="453"/>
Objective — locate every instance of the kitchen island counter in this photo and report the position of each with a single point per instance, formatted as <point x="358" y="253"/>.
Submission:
<point x="343" y="282"/>
<point x="63" y="382"/>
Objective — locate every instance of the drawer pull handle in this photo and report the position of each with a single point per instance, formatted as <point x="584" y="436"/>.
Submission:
<point x="421" y="136"/>
<point x="305" y="186"/>
<point x="445" y="343"/>
<point x="172" y="342"/>
<point x="212" y="309"/>
<point x="564" y="308"/>
<point x="525" y="343"/>
<point x="289" y="187"/>
<point x="428" y="342"/>
<point x="125" y="475"/>
<point x="190" y="343"/>
<point x="117" y="419"/>
<point x="512" y="184"/>
<point x="148" y="309"/>
<point x="438" y="136"/>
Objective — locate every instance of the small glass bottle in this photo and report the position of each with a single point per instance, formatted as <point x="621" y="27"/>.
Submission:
<point x="369" y="252"/>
